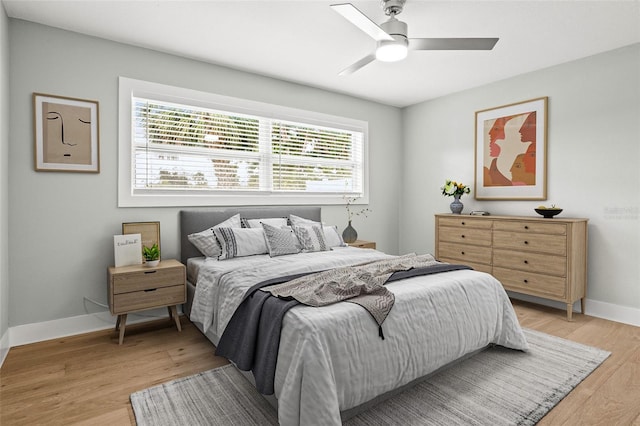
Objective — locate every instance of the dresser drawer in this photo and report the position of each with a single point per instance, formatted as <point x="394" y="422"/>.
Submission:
<point x="481" y="267"/>
<point x="465" y="253"/>
<point x="479" y="237"/>
<point x="150" y="298"/>
<point x="541" y="243"/>
<point x="531" y="283"/>
<point x="531" y="227"/>
<point x="464" y="222"/>
<point x="147" y="279"/>
<point x="531" y="262"/>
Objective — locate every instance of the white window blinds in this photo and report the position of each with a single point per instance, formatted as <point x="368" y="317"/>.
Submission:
<point x="183" y="147"/>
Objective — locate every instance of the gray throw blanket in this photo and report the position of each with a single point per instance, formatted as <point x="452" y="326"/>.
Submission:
<point x="361" y="284"/>
<point x="252" y="337"/>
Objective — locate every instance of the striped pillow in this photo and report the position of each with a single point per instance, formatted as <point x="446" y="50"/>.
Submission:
<point x="206" y="242"/>
<point x="239" y="242"/>
<point x="311" y="237"/>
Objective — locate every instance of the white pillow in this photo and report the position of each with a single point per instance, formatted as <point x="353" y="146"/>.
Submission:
<point x="311" y="237"/>
<point x="239" y="242"/>
<point x="278" y="222"/>
<point x="281" y="241"/>
<point x="332" y="236"/>
<point x="297" y="220"/>
<point x="206" y="241"/>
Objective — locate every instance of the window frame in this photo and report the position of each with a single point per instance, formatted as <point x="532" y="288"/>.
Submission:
<point x="128" y="197"/>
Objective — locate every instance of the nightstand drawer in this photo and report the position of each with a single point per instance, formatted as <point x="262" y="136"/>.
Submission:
<point x="143" y="280"/>
<point x="150" y="298"/>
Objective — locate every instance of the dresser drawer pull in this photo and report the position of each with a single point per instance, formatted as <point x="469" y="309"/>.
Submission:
<point x="462" y="223"/>
<point x="526" y="242"/>
<point x="150" y="272"/>
<point x="150" y="289"/>
<point x="462" y="236"/>
<point x="526" y="281"/>
<point x="526" y="227"/>
<point x="461" y="252"/>
<point x="526" y="262"/>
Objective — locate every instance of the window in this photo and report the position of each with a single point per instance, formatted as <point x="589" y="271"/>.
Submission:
<point x="182" y="147"/>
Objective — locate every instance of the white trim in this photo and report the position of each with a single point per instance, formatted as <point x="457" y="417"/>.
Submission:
<point x="130" y="87"/>
<point x="63" y="327"/>
<point x="593" y="308"/>
<point x="4" y="347"/>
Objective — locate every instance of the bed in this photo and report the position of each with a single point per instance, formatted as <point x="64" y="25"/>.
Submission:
<point x="331" y="361"/>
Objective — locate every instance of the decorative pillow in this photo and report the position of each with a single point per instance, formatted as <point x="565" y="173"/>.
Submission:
<point x="311" y="237"/>
<point x="206" y="242"/>
<point x="239" y="242"/>
<point x="281" y="240"/>
<point x="333" y="237"/>
<point x="297" y="220"/>
<point x="278" y="222"/>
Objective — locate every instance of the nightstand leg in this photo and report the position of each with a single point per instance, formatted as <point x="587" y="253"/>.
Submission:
<point x="118" y="323"/>
<point x="173" y="311"/>
<point x="122" y="319"/>
<point x="582" y="305"/>
<point x="569" y="311"/>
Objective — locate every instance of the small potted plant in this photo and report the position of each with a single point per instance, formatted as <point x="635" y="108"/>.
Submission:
<point x="151" y="255"/>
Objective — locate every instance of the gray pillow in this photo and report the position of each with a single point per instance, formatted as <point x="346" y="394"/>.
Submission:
<point x="281" y="240"/>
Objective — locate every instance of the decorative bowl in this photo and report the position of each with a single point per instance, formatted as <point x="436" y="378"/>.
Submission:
<point x="548" y="213"/>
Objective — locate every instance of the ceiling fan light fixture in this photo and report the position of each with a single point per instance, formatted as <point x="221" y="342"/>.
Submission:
<point x="392" y="51"/>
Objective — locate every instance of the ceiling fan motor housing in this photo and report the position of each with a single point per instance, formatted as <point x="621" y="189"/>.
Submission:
<point x="392" y="7"/>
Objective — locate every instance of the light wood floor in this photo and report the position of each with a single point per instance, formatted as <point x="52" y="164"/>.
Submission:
<point x="87" y="379"/>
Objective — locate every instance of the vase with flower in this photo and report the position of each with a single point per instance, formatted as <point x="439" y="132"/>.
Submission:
<point x="349" y="235"/>
<point x="456" y="190"/>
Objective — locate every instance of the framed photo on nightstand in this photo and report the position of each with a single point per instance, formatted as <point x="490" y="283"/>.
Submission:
<point x="150" y="232"/>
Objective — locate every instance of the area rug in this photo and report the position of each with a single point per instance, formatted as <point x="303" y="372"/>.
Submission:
<point x="497" y="386"/>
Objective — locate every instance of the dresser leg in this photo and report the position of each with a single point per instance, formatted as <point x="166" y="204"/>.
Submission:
<point x="582" y="305"/>
<point x="173" y="311"/>
<point x="122" y="319"/>
<point x="569" y="311"/>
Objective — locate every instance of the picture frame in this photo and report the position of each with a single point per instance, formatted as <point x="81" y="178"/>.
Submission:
<point x="511" y="151"/>
<point x="149" y="231"/>
<point x="66" y="134"/>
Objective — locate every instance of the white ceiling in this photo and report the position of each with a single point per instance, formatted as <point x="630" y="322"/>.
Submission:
<point x="307" y="42"/>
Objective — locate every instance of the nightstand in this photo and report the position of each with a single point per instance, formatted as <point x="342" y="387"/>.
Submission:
<point x="137" y="288"/>
<point x="363" y="244"/>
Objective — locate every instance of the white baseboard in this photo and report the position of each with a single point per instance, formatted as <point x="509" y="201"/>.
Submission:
<point x="47" y="330"/>
<point x="594" y="308"/>
<point x="4" y="347"/>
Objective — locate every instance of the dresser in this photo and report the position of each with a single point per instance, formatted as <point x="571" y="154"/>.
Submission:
<point x="540" y="257"/>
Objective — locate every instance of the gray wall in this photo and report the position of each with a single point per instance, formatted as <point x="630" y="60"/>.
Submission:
<point x="592" y="169"/>
<point x="4" y="179"/>
<point x="62" y="224"/>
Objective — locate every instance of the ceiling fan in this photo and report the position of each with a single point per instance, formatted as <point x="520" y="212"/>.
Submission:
<point x="391" y="36"/>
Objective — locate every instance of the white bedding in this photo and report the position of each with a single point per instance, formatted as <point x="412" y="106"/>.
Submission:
<point x="331" y="358"/>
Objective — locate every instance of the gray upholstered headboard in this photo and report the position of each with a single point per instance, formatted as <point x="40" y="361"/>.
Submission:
<point x="196" y="220"/>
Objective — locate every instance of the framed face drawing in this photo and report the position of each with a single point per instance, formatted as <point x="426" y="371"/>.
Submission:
<point x="511" y="152"/>
<point x="66" y="134"/>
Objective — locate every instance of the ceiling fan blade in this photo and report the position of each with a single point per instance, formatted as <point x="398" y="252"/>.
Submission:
<point x="360" y="20"/>
<point x="356" y="66"/>
<point x="452" y="43"/>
